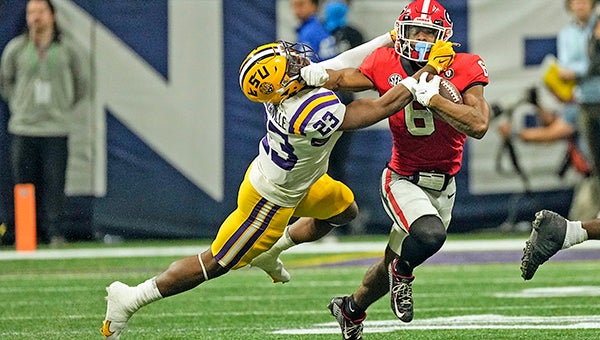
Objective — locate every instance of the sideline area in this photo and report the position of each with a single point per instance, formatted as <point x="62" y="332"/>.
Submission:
<point x="468" y="250"/>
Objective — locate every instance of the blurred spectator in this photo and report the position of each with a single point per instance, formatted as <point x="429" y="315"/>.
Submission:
<point x="573" y="39"/>
<point x="574" y="60"/>
<point x="42" y="79"/>
<point x="587" y="95"/>
<point x="572" y="42"/>
<point x="335" y="21"/>
<point x="311" y="31"/>
<point x="552" y="123"/>
<point x="346" y="37"/>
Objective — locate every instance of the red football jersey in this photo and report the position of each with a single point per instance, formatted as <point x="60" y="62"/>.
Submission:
<point x="422" y="142"/>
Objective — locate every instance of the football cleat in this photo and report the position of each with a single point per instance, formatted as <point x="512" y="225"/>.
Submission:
<point x="272" y="266"/>
<point x="546" y="239"/>
<point x="401" y="299"/>
<point x="117" y="310"/>
<point x="351" y="329"/>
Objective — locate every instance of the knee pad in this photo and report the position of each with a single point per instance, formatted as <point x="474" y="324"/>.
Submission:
<point x="429" y="231"/>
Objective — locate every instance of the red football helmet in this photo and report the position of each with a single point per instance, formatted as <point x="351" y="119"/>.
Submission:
<point x="426" y="16"/>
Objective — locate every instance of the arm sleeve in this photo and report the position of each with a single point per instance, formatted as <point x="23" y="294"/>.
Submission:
<point x="354" y="57"/>
<point x="7" y="73"/>
<point x="81" y="79"/>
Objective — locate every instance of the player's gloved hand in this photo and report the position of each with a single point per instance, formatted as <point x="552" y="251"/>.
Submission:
<point x="441" y="55"/>
<point x="410" y="83"/>
<point x="393" y="35"/>
<point x="424" y="89"/>
<point x="314" y="75"/>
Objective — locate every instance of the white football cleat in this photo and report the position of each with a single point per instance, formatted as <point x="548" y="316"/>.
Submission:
<point x="272" y="266"/>
<point x="118" y="309"/>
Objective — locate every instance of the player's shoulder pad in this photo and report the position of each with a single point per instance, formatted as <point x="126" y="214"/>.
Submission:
<point x="469" y="66"/>
<point x="312" y="106"/>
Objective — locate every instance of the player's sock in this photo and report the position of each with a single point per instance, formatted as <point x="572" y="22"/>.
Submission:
<point x="146" y="292"/>
<point x="575" y="234"/>
<point x="353" y="310"/>
<point x="284" y="242"/>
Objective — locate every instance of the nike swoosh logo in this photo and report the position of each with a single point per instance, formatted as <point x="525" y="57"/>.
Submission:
<point x="451" y="195"/>
<point x="350" y="308"/>
<point x="105" y="330"/>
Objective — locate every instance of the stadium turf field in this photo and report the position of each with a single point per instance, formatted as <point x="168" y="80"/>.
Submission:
<point x="456" y="297"/>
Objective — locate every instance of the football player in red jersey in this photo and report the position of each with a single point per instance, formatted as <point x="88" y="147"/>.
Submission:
<point x="286" y="179"/>
<point x="417" y="185"/>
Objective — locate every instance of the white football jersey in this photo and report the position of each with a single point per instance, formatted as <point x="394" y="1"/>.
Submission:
<point x="301" y="132"/>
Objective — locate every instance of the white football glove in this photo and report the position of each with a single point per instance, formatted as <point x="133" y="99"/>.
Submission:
<point x="424" y="89"/>
<point x="314" y="75"/>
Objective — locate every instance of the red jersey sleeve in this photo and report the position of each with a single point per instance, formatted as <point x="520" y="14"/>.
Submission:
<point x="383" y="69"/>
<point x="466" y="71"/>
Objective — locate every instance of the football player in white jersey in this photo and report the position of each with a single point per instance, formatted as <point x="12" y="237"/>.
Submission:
<point x="287" y="179"/>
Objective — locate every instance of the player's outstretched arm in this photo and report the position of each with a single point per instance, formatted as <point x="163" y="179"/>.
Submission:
<point x="342" y="66"/>
<point x="368" y="111"/>
<point x="354" y="57"/>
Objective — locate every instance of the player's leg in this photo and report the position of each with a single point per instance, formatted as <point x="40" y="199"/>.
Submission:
<point x="592" y="228"/>
<point x="350" y="311"/>
<point x="122" y="301"/>
<point x="421" y="218"/>
<point x="352" y="328"/>
<point x="249" y="230"/>
<point x="550" y="233"/>
<point x="328" y="204"/>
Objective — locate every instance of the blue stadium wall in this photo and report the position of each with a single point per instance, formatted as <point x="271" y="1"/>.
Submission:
<point x="148" y="197"/>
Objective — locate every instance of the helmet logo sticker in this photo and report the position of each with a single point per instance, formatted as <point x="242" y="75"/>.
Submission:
<point x="447" y="16"/>
<point x="266" y="87"/>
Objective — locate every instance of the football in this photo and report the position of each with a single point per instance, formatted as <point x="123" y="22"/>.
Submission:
<point x="449" y="91"/>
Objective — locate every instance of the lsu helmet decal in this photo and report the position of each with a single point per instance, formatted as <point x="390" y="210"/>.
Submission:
<point x="271" y="72"/>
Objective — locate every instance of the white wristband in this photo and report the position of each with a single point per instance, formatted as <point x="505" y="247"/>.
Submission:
<point x="409" y="83"/>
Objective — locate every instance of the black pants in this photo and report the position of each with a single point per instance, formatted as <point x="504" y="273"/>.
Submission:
<point x="43" y="162"/>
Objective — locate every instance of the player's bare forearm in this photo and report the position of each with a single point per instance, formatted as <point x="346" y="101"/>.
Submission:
<point x="556" y="130"/>
<point x="348" y="79"/>
<point x="471" y="118"/>
<point x="368" y="111"/>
